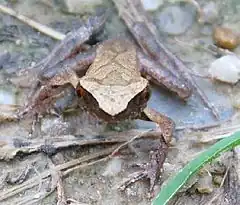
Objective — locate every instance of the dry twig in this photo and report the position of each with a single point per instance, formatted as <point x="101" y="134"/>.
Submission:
<point x="7" y="151"/>
<point x="57" y="179"/>
<point x="44" y="175"/>
<point x="40" y="27"/>
<point x="72" y="165"/>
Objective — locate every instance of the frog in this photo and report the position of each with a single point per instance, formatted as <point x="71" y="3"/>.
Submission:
<point x="112" y="79"/>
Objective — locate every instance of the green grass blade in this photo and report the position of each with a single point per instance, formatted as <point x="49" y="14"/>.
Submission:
<point x="175" y="183"/>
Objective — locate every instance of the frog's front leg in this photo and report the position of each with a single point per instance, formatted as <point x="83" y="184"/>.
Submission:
<point x="52" y="79"/>
<point x="159" y="75"/>
<point x="153" y="168"/>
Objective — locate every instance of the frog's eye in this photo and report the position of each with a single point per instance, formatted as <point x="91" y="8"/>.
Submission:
<point x="80" y="91"/>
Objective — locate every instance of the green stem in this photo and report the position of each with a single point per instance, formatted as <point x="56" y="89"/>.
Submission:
<point x="175" y="183"/>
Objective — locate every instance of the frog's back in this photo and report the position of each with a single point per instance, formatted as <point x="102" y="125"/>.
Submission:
<point x="114" y="78"/>
<point x="116" y="62"/>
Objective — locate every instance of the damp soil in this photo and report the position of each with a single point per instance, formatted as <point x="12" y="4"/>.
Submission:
<point x="21" y="46"/>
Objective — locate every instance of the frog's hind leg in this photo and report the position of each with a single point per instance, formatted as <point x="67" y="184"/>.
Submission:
<point x="153" y="168"/>
<point x="165" y="123"/>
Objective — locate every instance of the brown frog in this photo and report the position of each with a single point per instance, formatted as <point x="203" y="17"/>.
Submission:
<point x="112" y="81"/>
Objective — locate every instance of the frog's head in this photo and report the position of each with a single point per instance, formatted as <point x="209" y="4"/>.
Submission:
<point x="113" y="99"/>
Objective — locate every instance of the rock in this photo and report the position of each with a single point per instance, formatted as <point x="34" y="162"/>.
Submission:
<point x="176" y="19"/>
<point x="226" y="69"/>
<point x="204" y="184"/>
<point x="151" y="5"/>
<point x="225" y="38"/>
<point x="209" y="13"/>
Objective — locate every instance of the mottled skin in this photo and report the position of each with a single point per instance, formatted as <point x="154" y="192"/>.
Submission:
<point x="110" y="80"/>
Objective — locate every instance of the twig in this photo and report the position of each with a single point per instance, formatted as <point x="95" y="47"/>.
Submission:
<point x="200" y="127"/>
<point x="32" y="199"/>
<point x="220" y="133"/>
<point x="8" y="152"/>
<point x="130" y="141"/>
<point x="57" y="179"/>
<point x="40" y="27"/>
<point x="72" y="165"/>
<point x="21" y="177"/>
<point x="40" y="178"/>
<point x="37" y="145"/>
<point x="213" y="49"/>
<point x="35" y="180"/>
<point x="65" y="173"/>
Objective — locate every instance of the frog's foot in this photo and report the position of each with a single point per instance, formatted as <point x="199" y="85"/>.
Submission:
<point x="150" y="170"/>
<point x="166" y="124"/>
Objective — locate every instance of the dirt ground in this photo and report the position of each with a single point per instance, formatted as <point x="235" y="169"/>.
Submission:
<point x="33" y="171"/>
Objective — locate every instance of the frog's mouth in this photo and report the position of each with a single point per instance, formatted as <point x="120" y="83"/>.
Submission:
<point x="113" y="99"/>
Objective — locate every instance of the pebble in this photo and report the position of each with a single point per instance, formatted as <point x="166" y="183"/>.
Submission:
<point x="151" y="5"/>
<point x="225" y="38"/>
<point x="217" y="180"/>
<point x="204" y="184"/>
<point x="113" y="167"/>
<point x="175" y="19"/>
<point x="7" y="97"/>
<point x="226" y="69"/>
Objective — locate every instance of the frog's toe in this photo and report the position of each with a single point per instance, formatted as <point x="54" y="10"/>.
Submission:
<point x="150" y="170"/>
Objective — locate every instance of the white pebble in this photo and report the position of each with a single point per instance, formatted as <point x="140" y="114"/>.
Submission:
<point x="113" y="167"/>
<point x="226" y="69"/>
<point x="7" y="97"/>
<point x="151" y="5"/>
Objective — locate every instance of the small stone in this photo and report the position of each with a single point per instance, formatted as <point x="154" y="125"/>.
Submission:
<point x="209" y="13"/>
<point x="176" y="19"/>
<point x="204" y="184"/>
<point x="225" y="38"/>
<point x="226" y="69"/>
<point x="217" y="180"/>
<point x="7" y="97"/>
<point x="18" y="42"/>
<point x="113" y="167"/>
<point x="151" y="5"/>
